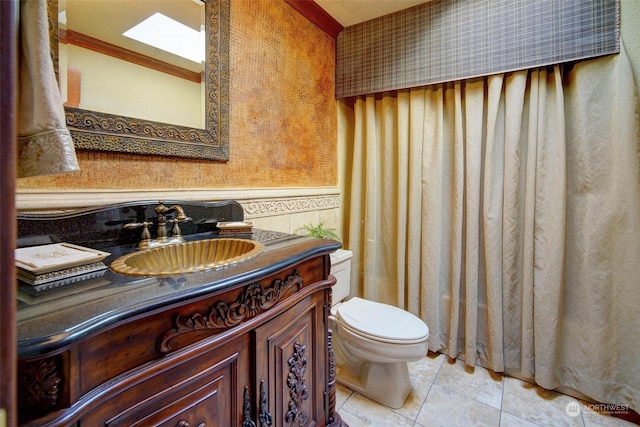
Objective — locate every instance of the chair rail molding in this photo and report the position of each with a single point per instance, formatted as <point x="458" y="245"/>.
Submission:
<point x="257" y="202"/>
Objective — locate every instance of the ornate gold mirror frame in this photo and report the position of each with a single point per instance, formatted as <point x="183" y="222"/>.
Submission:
<point x="105" y="132"/>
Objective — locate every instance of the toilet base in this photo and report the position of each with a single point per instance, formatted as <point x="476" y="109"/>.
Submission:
<point x="386" y="383"/>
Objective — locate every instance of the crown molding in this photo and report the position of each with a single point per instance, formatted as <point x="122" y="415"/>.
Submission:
<point x="314" y="13"/>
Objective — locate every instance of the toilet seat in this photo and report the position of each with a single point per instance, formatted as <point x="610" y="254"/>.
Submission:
<point x="381" y="322"/>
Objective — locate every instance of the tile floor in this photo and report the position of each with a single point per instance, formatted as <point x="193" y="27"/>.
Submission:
<point x="446" y="393"/>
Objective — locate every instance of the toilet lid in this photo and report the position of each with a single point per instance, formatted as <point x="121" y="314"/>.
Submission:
<point x="382" y="320"/>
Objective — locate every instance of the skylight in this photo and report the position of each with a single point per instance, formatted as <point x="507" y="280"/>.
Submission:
<point x="167" y="34"/>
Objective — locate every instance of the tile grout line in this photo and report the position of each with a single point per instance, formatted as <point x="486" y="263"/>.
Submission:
<point x="345" y="400"/>
<point x="426" y="396"/>
<point x="504" y="383"/>
<point x="584" y="422"/>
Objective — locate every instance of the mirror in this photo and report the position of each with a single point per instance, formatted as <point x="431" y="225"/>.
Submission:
<point x="107" y="114"/>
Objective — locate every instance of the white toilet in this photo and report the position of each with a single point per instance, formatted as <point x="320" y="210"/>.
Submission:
<point x="373" y="342"/>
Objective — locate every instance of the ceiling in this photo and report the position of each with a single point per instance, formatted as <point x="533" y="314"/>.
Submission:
<point x="350" y="12"/>
<point x="107" y="20"/>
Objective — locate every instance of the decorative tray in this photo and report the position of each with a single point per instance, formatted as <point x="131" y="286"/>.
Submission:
<point x="235" y="227"/>
<point x="91" y="273"/>
<point x="45" y="263"/>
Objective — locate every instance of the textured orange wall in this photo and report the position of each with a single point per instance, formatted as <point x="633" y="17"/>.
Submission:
<point x="282" y="116"/>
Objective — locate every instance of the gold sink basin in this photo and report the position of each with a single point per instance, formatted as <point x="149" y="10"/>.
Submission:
<point x="188" y="257"/>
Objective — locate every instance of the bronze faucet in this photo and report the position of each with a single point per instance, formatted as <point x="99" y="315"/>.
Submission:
<point x="162" y="235"/>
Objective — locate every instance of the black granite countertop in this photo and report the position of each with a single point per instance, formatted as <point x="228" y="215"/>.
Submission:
<point x="52" y="319"/>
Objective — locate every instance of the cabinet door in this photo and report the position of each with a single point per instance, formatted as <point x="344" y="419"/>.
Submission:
<point x="291" y="353"/>
<point x="201" y="389"/>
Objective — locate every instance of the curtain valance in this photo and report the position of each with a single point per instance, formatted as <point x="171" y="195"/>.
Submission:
<point x="448" y="40"/>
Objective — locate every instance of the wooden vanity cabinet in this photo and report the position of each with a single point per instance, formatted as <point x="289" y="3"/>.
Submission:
<point x="291" y="362"/>
<point x="200" y="389"/>
<point x="256" y="354"/>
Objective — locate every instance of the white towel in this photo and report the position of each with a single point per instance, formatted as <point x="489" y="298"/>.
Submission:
<point x="44" y="142"/>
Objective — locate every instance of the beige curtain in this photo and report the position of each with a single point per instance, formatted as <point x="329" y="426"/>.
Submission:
<point x="505" y="212"/>
<point x="44" y="142"/>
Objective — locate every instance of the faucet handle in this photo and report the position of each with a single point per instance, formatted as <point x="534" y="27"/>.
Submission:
<point x="145" y="238"/>
<point x="176" y="231"/>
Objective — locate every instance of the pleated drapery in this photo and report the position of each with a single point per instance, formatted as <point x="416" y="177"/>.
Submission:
<point x="505" y="212"/>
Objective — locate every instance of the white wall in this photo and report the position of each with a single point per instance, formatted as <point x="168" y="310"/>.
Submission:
<point x="132" y="90"/>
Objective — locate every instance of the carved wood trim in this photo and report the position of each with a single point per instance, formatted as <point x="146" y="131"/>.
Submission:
<point x="333" y="418"/>
<point x="39" y="386"/>
<point x="254" y="300"/>
<point x="297" y="386"/>
<point x="331" y="378"/>
<point x="331" y="383"/>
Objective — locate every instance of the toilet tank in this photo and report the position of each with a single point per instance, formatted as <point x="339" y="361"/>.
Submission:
<point x="341" y="270"/>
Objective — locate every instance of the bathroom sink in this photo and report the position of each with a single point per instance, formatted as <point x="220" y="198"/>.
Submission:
<point x="187" y="257"/>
